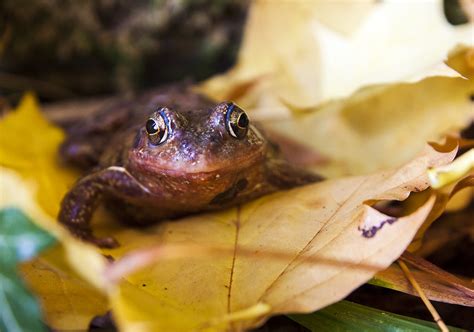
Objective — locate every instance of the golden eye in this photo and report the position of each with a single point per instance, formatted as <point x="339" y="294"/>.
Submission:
<point x="157" y="128"/>
<point x="237" y="122"/>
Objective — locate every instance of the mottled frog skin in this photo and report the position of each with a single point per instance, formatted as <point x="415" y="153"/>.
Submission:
<point x="166" y="154"/>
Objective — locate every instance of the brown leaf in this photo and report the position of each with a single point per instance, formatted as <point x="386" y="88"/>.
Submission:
<point x="437" y="284"/>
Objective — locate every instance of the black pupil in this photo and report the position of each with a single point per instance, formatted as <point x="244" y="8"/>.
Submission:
<point x="243" y="121"/>
<point x="151" y="127"/>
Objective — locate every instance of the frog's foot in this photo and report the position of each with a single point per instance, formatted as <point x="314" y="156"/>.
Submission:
<point x="102" y="242"/>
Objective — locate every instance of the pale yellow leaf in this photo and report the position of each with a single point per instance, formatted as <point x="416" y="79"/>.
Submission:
<point x="302" y="53"/>
<point x="382" y="126"/>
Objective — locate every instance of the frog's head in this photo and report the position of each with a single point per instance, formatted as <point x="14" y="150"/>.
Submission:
<point x="194" y="141"/>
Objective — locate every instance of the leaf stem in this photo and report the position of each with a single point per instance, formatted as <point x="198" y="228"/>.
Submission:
<point x="437" y="318"/>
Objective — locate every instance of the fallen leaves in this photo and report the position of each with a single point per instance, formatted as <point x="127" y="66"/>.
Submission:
<point x="288" y="252"/>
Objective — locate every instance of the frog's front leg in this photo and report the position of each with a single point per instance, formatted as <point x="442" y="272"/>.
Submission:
<point x="81" y="201"/>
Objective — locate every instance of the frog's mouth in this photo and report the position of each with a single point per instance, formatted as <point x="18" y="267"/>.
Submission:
<point x="217" y="165"/>
<point x="223" y="166"/>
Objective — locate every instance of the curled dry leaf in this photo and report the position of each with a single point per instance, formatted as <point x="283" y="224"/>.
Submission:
<point x="461" y="59"/>
<point x="437" y="284"/>
<point x="443" y="175"/>
<point x="442" y="199"/>
<point x="294" y="251"/>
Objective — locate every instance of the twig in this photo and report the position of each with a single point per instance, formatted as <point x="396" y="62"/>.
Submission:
<point x="423" y="297"/>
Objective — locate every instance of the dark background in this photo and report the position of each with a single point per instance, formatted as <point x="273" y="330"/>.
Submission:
<point x="67" y="48"/>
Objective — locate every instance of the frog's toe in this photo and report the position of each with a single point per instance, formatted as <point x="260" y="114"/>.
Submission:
<point x="102" y="242"/>
<point x="105" y="242"/>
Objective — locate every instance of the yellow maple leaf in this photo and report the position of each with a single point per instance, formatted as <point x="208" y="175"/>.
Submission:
<point x="28" y="144"/>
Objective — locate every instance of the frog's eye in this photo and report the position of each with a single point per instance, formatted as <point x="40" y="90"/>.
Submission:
<point x="157" y="128"/>
<point x="237" y="122"/>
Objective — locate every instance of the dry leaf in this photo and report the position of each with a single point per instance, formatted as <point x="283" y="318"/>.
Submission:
<point x="435" y="288"/>
<point x="461" y="59"/>
<point x="294" y="251"/>
<point x="442" y="200"/>
<point x="443" y="175"/>
<point x="382" y="126"/>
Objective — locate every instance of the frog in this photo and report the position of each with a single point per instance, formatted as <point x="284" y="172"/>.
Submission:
<point x="167" y="154"/>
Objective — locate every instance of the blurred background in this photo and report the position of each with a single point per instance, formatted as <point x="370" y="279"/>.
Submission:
<point x="63" y="49"/>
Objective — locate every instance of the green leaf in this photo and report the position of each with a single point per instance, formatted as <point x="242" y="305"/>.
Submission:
<point x="20" y="239"/>
<point x="347" y="316"/>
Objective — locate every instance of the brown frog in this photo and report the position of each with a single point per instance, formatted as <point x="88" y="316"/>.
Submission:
<point x="167" y="154"/>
